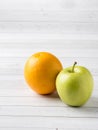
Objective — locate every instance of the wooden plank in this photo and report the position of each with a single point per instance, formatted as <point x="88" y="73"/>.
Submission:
<point x="13" y="41"/>
<point x="49" y="5"/>
<point x="44" y="37"/>
<point x="19" y="62"/>
<point x="50" y="28"/>
<point x="31" y="16"/>
<point x="51" y="100"/>
<point x="59" y="53"/>
<point x="52" y="122"/>
<point x="32" y="101"/>
<point x="14" y="90"/>
<point x="31" y="111"/>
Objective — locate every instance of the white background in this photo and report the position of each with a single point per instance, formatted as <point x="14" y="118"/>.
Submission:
<point x="66" y="28"/>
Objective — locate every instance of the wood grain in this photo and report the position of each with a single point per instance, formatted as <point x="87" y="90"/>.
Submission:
<point x="66" y="28"/>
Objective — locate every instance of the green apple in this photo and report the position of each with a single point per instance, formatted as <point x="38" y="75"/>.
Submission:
<point x="74" y="85"/>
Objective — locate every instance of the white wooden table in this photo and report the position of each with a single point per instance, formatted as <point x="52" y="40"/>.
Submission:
<point x="66" y="28"/>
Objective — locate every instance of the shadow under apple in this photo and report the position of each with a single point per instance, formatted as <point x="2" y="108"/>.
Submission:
<point x="92" y="102"/>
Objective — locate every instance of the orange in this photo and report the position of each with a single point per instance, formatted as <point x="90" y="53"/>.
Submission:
<point x="40" y="72"/>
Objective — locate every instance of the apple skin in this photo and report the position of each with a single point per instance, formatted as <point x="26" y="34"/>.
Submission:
<point x="74" y="88"/>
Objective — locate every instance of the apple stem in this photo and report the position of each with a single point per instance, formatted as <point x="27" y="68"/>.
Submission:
<point x="74" y="66"/>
